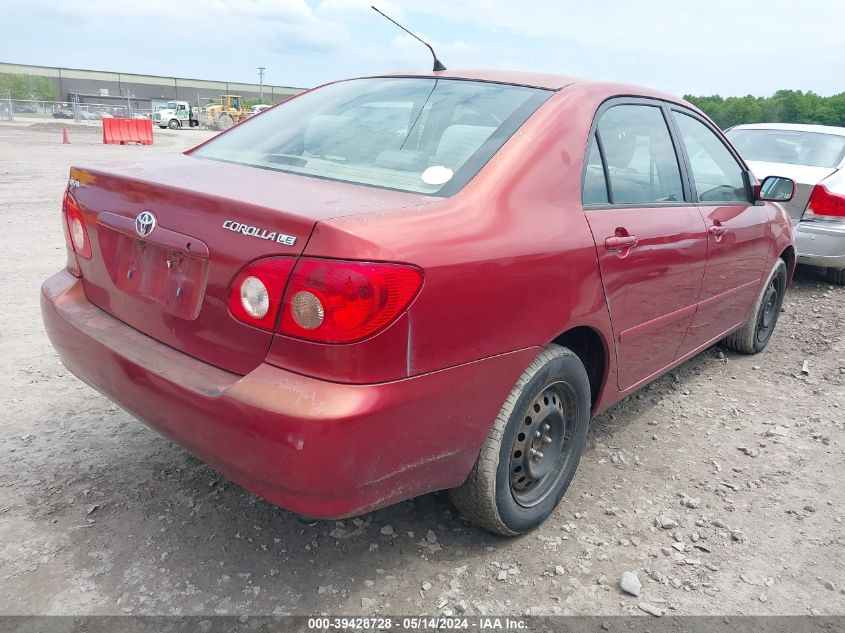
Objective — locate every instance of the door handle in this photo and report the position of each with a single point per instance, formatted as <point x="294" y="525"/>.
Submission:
<point x="620" y="242"/>
<point x="717" y="230"/>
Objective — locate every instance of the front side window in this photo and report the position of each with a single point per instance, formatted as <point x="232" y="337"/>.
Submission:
<point x="422" y="135"/>
<point x="716" y="173"/>
<point x="641" y="162"/>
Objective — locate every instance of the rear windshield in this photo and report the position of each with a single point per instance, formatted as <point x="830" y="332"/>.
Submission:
<point x="789" y="146"/>
<point x="421" y="135"/>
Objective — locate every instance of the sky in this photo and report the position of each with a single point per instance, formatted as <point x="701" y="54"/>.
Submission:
<point x="727" y="47"/>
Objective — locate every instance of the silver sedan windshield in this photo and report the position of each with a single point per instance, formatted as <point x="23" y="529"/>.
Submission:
<point x="789" y="146"/>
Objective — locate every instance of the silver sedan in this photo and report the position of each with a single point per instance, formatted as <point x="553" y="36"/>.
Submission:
<point x="813" y="156"/>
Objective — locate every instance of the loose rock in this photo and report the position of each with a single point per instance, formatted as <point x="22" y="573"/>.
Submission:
<point x="630" y="583"/>
<point x="691" y="502"/>
<point x="651" y="609"/>
<point x="665" y="523"/>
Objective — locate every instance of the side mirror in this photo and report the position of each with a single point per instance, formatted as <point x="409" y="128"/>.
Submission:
<point x="775" y="189"/>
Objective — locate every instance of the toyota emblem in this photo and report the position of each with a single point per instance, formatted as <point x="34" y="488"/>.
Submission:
<point x="145" y="223"/>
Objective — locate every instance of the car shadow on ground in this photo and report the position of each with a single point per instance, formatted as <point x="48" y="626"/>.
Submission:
<point x="247" y="552"/>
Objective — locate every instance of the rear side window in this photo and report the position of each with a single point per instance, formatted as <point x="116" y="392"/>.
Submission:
<point x="595" y="184"/>
<point x="641" y="162"/>
<point x="716" y="173"/>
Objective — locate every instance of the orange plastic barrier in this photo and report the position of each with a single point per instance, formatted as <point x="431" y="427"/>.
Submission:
<point x="123" y="131"/>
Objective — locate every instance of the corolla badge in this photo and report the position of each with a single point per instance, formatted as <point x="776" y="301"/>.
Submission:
<point x="263" y="234"/>
<point x="145" y="223"/>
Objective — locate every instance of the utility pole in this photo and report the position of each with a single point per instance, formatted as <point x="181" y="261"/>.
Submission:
<point x="261" y="70"/>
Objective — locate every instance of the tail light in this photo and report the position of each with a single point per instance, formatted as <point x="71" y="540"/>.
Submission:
<point x="825" y="205"/>
<point x="76" y="233"/>
<point x="256" y="292"/>
<point x="327" y="301"/>
<point x="333" y="301"/>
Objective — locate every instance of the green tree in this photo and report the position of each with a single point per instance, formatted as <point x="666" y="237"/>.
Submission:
<point x="786" y="106"/>
<point x="28" y="87"/>
<point x="16" y="85"/>
<point x="44" y="88"/>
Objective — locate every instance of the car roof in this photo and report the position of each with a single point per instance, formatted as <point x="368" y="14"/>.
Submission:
<point x="547" y="81"/>
<point x="793" y="127"/>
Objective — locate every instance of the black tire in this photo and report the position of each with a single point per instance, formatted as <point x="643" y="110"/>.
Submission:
<point x="553" y="395"/>
<point x="836" y="276"/>
<point x="754" y="334"/>
<point x="174" y="124"/>
<point x="224" y="122"/>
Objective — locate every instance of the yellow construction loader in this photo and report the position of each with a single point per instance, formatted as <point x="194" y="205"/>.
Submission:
<point x="223" y="115"/>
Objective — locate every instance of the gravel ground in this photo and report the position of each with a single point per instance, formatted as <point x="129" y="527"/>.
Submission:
<point x="718" y="488"/>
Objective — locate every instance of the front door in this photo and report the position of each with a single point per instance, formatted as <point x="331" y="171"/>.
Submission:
<point x="737" y="249"/>
<point x="651" y="242"/>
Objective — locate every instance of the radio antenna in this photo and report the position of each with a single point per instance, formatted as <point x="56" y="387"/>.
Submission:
<point x="437" y="64"/>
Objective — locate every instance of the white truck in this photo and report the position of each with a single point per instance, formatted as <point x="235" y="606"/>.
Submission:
<point x="175" y="115"/>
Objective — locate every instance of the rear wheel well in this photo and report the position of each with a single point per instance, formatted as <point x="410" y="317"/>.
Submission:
<point x="589" y="346"/>
<point x="788" y="256"/>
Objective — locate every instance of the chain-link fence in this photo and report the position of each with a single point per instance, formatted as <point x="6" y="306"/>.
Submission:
<point x="92" y="113"/>
<point x="7" y="108"/>
<point x="34" y="111"/>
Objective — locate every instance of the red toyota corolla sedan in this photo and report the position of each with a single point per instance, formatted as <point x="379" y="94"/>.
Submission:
<point x="398" y="284"/>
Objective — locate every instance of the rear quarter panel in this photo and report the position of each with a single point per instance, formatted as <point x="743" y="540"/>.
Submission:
<point x="835" y="183"/>
<point x="509" y="261"/>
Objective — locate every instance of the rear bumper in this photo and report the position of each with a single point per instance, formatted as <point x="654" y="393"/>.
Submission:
<point x="820" y="244"/>
<point x="319" y="448"/>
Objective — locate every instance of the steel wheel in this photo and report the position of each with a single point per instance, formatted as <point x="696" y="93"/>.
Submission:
<point x="532" y="452"/>
<point x="541" y="450"/>
<point x="772" y="298"/>
<point x="753" y="335"/>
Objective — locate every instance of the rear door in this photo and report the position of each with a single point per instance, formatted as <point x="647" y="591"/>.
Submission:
<point x="650" y="238"/>
<point x="737" y="243"/>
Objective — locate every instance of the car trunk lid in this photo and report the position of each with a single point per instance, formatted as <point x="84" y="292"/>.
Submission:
<point x="211" y="219"/>
<point x="805" y="176"/>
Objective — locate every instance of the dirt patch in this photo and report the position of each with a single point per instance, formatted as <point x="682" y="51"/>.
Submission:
<point x="719" y="486"/>
<point x="93" y="129"/>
